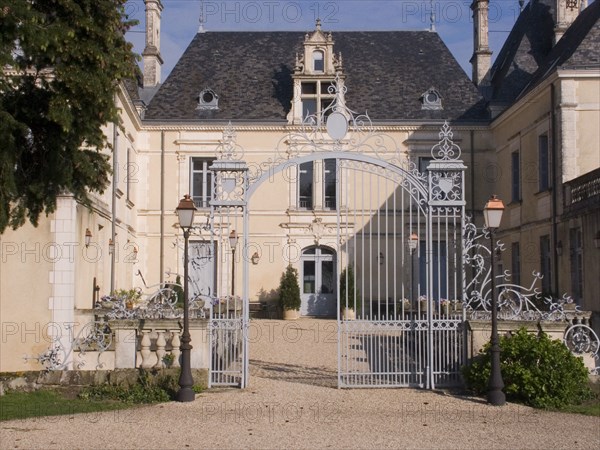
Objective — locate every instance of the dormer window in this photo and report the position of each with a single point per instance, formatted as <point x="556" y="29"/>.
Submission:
<point x="318" y="61"/>
<point x="316" y="97"/>
<point x="208" y="100"/>
<point x="431" y="100"/>
<point x="315" y="70"/>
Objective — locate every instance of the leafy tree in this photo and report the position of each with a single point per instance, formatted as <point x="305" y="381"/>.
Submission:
<point x="62" y="61"/>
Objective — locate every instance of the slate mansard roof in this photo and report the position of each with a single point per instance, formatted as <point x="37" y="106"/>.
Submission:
<point x="528" y="55"/>
<point x="251" y="73"/>
<point x="579" y="48"/>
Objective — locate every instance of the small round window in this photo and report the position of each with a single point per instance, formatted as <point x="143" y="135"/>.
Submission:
<point x="208" y="97"/>
<point x="432" y="97"/>
<point x="208" y="100"/>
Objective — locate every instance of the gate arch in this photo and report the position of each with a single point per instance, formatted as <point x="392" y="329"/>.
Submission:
<point x="404" y="333"/>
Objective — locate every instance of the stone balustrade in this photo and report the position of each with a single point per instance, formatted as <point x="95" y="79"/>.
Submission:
<point x="144" y="343"/>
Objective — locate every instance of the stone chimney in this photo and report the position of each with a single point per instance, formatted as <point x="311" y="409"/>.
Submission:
<point x="482" y="55"/>
<point x="151" y="54"/>
<point x="566" y="13"/>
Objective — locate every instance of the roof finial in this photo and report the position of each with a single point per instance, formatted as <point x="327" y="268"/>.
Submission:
<point x="521" y="5"/>
<point x="432" y="17"/>
<point x="318" y="25"/>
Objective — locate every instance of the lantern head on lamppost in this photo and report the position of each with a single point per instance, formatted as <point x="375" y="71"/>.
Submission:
<point x="492" y="214"/>
<point x="233" y="239"/>
<point x="185" y="212"/>
<point x="413" y="241"/>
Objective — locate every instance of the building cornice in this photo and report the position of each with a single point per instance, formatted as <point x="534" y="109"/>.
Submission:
<point x="540" y="90"/>
<point x="285" y="128"/>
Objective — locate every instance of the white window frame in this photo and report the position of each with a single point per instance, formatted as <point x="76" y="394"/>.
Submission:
<point x="202" y="201"/>
<point x="318" y="97"/>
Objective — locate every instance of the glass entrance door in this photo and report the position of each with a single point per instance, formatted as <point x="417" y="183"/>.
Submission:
<point x="318" y="282"/>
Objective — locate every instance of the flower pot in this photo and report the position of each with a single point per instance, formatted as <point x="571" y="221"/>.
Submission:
<point x="291" y="314"/>
<point x="445" y="309"/>
<point x="457" y="306"/>
<point x="348" y="314"/>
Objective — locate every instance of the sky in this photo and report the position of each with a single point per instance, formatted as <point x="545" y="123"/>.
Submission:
<point x="453" y="20"/>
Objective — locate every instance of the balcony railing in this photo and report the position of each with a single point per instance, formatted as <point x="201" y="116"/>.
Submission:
<point x="582" y="191"/>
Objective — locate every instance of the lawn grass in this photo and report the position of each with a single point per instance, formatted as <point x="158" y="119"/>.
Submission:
<point x="591" y="408"/>
<point x="21" y="405"/>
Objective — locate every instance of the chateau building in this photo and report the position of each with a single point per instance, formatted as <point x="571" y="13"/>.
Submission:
<point x="527" y="126"/>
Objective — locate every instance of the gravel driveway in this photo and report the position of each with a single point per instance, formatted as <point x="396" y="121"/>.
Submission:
<point x="292" y="402"/>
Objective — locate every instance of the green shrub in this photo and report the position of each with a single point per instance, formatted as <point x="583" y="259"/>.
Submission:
<point x="289" y="290"/>
<point x="347" y="291"/>
<point x="536" y="370"/>
<point x="145" y="390"/>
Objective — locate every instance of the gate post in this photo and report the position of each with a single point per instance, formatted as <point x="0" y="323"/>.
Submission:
<point x="228" y="205"/>
<point x="445" y="214"/>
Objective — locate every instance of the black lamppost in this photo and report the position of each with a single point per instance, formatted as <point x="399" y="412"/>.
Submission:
<point x="492" y="214"/>
<point x="185" y="212"/>
<point x="233" y="240"/>
<point x="413" y="241"/>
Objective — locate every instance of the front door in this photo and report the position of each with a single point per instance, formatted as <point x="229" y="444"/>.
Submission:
<point x="318" y="282"/>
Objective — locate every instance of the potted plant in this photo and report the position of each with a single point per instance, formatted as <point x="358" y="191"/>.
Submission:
<point x="289" y="294"/>
<point x="444" y="307"/>
<point x="129" y="297"/>
<point x="347" y="293"/>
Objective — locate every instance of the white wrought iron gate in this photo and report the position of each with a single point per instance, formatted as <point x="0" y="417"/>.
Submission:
<point x="401" y="271"/>
<point x="398" y="248"/>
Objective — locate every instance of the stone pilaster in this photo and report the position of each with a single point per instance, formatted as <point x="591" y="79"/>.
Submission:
<point x="62" y="276"/>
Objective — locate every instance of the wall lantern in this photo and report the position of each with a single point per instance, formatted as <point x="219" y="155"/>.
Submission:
<point x="255" y="258"/>
<point x="88" y="237"/>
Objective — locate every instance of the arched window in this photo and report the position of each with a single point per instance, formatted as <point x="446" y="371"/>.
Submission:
<point x="318" y="61"/>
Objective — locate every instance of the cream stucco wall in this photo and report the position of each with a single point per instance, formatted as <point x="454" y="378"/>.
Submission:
<point x="576" y="142"/>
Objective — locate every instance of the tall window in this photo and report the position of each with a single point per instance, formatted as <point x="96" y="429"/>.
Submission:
<point x="317" y="185"/>
<point x="129" y="168"/>
<point x="516" y="263"/>
<point x="543" y="163"/>
<point x="424" y="163"/>
<point x="545" y="264"/>
<point x="330" y="183"/>
<point x="315" y="97"/>
<point x="576" y="256"/>
<point x="318" y="61"/>
<point x="305" y="186"/>
<point x="201" y="183"/>
<point x="515" y="177"/>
